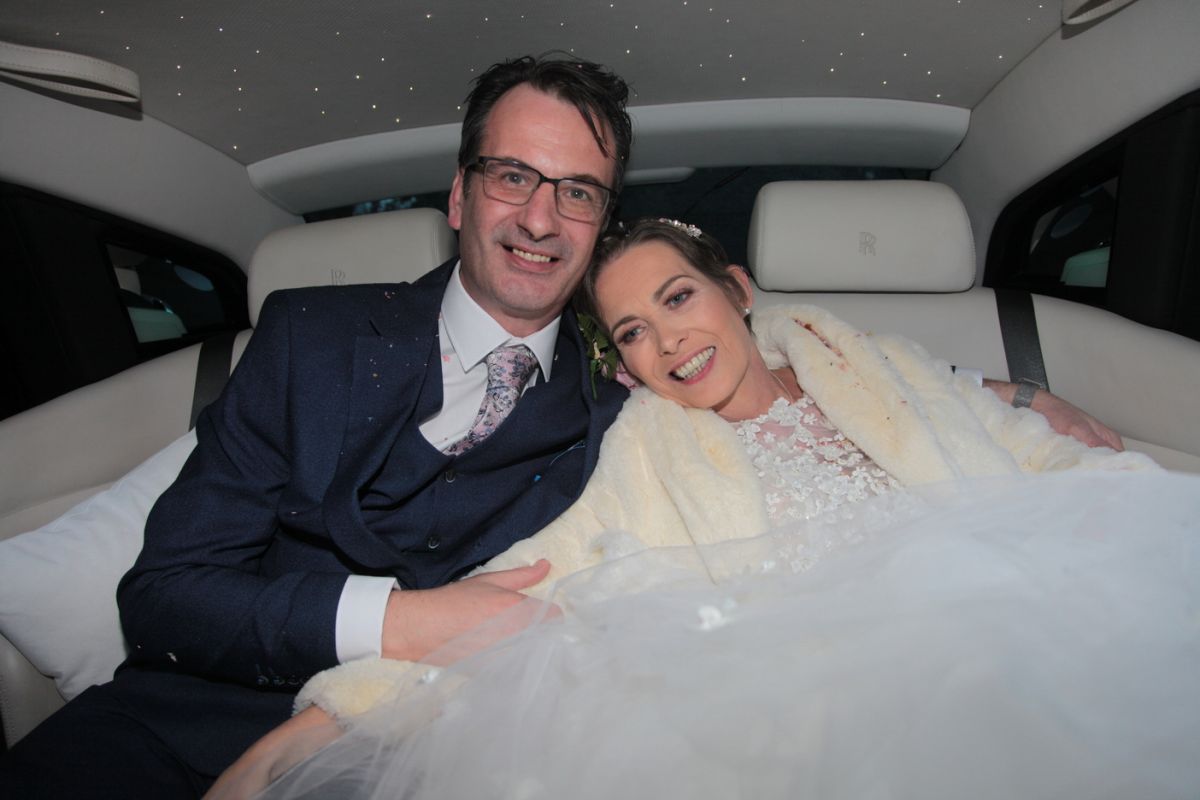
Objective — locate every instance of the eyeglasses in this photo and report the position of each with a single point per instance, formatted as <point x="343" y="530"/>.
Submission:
<point x="514" y="183"/>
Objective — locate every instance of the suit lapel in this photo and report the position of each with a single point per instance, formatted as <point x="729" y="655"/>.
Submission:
<point x="389" y="370"/>
<point x="388" y="376"/>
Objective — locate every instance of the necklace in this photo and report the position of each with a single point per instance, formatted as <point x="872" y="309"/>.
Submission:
<point x="786" y="393"/>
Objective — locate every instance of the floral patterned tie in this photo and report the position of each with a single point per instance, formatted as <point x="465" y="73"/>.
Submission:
<point x="508" y="369"/>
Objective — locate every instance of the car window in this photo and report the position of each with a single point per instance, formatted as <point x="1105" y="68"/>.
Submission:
<point x="1072" y="242"/>
<point x="1118" y="228"/>
<point x="90" y="294"/>
<point x="164" y="299"/>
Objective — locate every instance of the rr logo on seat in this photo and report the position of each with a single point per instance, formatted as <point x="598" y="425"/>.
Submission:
<point x="866" y="243"/>
<point x="337" y="277"/>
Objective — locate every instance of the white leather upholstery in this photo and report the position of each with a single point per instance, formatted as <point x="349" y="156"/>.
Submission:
<point x="861" y="236"/>
<point x="1140" y="380"/>
<point x="85" y="440"/>
<point x="894" y="256"/>
<point x="962" y="328"/>
<point x="379" y="248"/>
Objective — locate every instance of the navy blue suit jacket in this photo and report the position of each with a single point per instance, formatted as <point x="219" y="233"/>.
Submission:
<point x="247" y="553"/>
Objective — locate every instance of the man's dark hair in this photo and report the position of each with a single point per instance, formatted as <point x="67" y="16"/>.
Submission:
<point x="596" y="91"/>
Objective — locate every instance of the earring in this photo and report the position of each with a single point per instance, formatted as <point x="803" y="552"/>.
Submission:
<point x="746" y="311"/>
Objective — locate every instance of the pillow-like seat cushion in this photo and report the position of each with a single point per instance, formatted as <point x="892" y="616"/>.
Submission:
<point x="58" y="583"/>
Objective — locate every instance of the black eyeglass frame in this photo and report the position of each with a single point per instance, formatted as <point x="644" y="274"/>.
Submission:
<point x="480" y="164"/>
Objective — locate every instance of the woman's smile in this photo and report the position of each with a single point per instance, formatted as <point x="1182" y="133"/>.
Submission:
<point x="694" y="367"/>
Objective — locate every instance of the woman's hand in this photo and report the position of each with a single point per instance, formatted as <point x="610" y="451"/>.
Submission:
<point x="274" y="754"/>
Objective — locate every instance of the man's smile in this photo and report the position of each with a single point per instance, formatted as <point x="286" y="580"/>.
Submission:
<point x="537" y="258"/>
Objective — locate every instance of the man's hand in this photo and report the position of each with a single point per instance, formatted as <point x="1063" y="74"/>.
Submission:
<point x="1071" y="421"/>
<point x="1063" y="417"/>
<point x="419" y="623"/>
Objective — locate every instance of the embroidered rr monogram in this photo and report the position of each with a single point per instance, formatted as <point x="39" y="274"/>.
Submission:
<point x="866" y="243"/>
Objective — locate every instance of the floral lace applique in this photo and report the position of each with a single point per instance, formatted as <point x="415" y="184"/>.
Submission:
<point x="806" y="466"/>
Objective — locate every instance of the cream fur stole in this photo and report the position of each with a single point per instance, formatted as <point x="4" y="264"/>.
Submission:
<point x="670" y="476"/>
<point x="909" y="412"/>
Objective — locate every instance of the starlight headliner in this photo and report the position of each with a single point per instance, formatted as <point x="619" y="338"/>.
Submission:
<point x="315" y="64"/>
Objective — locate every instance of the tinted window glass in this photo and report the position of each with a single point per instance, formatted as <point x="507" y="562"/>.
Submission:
<point x="1118" y="228"/>
<point x="165" y="300"/>
<point x="1071" y="243"/>
<point x="90" y="294"/>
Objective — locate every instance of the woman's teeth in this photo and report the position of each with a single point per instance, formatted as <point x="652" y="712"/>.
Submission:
<point x="693" y="366"/>
<point x="539" y="259"/>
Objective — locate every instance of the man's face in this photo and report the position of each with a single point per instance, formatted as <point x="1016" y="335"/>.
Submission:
<point x="522" y="263"/>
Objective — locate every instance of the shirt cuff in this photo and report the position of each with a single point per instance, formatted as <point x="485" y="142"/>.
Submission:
<point x="975" y="375"/>
<point x="358" y="632"/>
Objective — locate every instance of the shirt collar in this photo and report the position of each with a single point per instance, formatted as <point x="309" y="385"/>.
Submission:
<point x="473" y="333"/>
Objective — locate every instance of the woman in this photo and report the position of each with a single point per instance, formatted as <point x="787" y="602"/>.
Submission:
<point x="815" y="427"/>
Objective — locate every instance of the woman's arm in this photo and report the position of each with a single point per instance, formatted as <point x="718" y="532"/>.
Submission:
<point x="274" y="754"/>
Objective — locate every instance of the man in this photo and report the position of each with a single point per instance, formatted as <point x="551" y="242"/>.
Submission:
<point x="355" y="465"/>
<point x="351" y="452"/>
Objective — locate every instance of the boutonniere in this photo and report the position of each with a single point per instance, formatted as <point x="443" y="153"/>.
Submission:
<point x="602" y="354"/>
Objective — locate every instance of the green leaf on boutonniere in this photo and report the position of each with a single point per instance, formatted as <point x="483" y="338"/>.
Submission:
<point x="602" y="356"/>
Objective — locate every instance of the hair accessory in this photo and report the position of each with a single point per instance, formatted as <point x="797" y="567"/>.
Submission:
<point x="690" y="230"/>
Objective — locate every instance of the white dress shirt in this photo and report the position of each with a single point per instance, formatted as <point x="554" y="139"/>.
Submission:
<point x="466" y="334"/>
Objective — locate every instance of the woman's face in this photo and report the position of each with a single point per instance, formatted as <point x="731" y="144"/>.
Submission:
<point x="677" y="331"/>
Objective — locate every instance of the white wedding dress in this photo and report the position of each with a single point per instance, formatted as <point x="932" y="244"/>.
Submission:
<point x="1033" y="637"/>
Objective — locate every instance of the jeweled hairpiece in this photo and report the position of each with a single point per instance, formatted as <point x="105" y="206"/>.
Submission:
<point x="690" y="230"/>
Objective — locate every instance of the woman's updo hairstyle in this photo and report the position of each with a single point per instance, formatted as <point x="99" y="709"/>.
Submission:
<point x="699" y="249"/>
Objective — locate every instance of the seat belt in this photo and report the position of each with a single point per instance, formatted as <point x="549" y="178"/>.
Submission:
<point x="1019" y="334"/>
<point x="212" y="372"/>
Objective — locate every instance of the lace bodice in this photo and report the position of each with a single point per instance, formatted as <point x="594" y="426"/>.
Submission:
<point x="806" y="466"/>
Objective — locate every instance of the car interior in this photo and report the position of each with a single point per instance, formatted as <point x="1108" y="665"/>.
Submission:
<point x="1041" y="221"/>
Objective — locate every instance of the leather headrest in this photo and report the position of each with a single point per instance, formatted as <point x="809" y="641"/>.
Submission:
<point x="376" y="248"/>
<point x="861" y="236"/>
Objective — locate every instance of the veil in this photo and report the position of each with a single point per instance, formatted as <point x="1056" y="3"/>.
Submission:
<point x="1029" y="637"/>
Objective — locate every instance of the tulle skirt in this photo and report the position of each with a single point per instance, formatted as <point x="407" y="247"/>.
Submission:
<point x="1032" y="638"/>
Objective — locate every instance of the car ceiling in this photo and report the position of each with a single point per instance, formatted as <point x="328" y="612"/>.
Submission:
<point x="258" y="79"/>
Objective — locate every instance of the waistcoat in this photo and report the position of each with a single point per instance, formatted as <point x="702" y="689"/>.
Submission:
<point x="433" y="517"/>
